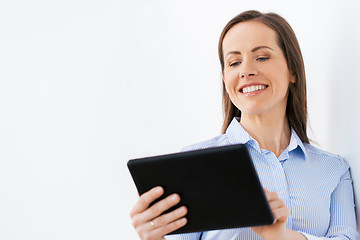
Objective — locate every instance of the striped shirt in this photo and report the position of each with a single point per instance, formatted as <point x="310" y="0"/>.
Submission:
<point x="315" y="185"/>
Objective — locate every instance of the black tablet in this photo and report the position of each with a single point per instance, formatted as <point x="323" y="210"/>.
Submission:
<point x="219" y="186"/>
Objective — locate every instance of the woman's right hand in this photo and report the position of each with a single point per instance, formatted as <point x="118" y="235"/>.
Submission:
<point x="148" y="221"/>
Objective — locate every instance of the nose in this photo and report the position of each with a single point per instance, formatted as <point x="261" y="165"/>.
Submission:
<point x="248" y="69"/>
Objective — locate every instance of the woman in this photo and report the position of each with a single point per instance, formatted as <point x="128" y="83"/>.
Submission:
<point x="264" y="94"/>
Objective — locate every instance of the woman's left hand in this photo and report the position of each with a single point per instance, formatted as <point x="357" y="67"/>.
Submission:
<point x="278" y="229"/>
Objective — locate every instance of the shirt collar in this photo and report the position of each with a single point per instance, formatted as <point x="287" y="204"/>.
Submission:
<point x="296" y="142"/>
<point x="237" y="134"/>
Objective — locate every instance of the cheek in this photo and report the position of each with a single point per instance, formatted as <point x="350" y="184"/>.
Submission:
<point x="281" y="78"/>
<point x="229" y="81"/>
<point x="229" y="86"/>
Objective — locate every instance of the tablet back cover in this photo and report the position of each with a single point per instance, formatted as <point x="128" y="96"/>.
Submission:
<point x="219" y="186"/>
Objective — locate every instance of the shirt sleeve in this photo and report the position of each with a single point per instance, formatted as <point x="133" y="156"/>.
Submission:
<point x="342" y="211"/>
<point x="185" y="236"/>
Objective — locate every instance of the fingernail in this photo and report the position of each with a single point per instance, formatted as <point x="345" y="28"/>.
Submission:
<point x="182" y="220"/>
<point x="174" y="197"/>
<point x="158" y="189"/>
<point x="181" y="210"/>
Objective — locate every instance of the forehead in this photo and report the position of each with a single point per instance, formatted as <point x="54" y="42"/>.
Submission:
<point x="247" y="35"/>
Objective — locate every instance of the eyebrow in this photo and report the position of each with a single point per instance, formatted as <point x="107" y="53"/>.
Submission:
<point x="252" y="50"/>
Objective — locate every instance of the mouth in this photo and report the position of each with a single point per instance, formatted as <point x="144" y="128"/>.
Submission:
<point x="253" y="88"/>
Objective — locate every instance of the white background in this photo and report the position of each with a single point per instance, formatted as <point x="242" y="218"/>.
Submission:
<point x="87" y="85"/>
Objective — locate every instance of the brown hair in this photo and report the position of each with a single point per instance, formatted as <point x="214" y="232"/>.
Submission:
<point x="296" y="109"/>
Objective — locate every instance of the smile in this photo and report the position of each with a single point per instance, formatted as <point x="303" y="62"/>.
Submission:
<point x="253" y="88"/>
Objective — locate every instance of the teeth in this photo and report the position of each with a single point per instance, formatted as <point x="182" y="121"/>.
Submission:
<point x="253" y="88"/>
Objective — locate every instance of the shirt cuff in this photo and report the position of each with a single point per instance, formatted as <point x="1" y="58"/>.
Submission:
<point x="310" y="237"/>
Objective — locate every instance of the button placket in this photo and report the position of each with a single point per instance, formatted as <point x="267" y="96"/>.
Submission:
<point x="280" y="181"/>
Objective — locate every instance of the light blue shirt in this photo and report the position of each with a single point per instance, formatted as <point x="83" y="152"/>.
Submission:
<point x="315" y="185"/>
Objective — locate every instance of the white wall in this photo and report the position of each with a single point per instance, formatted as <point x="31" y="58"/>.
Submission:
<point x="344" y="100"/>
<point x="87" y="85"/>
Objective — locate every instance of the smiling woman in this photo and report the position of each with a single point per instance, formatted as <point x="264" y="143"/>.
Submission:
<point x="284" y="38"/>
<point x="264" y="96"/>
<point x="255" y="74"/>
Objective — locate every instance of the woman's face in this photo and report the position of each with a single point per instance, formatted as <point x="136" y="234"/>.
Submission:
<point x="255" y="73"/>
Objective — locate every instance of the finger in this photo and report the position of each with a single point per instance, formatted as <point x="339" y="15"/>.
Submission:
<point x="281" y="214"/>
<point x="278" y="203"/>
<point x="161" y="231"/>
<point x="145" y="200"/>
<point x="158" y="208"/>
<point x="169" y="217"/>
<point x="271" y="196"/>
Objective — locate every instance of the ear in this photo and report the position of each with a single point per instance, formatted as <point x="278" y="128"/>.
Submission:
<point x="292" y="78"/>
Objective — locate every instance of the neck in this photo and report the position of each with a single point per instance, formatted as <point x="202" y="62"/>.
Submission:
<point x="271" y="132"/>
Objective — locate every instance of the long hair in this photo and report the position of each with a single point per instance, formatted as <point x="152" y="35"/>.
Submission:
<point x="296" y="109"/>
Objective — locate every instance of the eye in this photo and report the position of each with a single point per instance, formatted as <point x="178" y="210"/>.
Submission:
<point x="262" y="59"/>
<point x="234" y="64"/>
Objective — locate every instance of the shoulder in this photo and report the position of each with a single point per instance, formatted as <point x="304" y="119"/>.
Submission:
<point x="317" y="152"/>
<point x="325" y="158"/>
<point x="221" y="140"/>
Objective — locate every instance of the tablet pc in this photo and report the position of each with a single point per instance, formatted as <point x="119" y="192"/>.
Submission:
<point x="219" y="186"/>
